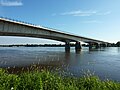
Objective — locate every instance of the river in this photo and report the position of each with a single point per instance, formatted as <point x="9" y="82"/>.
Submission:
<point x="104" y="62"/>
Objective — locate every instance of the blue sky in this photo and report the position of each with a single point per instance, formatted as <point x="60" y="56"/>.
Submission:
<point x="98" y="19"/>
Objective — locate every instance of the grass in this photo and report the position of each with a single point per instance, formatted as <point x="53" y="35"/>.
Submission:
<point x="46" y="80"/>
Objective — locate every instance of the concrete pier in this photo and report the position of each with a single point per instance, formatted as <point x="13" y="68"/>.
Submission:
<point x="104" y="45"/>
<point x="94" y="45"/>
<point x="67" y="46"/>
<point x="97" y="46"/>
<point x="78" y="46"/>
<point x="108" y="45"/>
<point x="90" y="46"/>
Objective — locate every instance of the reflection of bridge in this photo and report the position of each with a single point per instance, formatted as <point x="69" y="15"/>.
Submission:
<point x="15" y="28"/>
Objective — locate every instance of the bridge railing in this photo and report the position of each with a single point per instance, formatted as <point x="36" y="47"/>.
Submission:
<point x="35" y="25"/>
<point x="14" y="20"/>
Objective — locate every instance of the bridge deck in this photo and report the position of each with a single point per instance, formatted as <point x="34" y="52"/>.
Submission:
<point x="53" y="34"/>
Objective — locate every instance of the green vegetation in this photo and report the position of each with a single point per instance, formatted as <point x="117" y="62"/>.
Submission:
<point x="45" y="80"/>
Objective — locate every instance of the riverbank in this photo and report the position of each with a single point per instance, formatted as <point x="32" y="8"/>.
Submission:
<point x="45" y="80"/>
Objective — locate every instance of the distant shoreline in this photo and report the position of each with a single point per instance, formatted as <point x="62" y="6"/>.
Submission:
<point x="53" y="45"/>
<point x="36" y="45"/>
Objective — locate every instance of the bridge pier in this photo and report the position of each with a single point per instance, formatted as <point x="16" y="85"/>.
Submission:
<point x="90" y="46"/>
<point x="78" y="46"/>
<point x="67" y="47"/>
<point x="108" y="45"/>
<point x="104" y="45"/>
<point x="95" y="45"/>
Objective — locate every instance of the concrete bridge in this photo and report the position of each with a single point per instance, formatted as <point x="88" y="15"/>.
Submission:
<point x="15" y="28"/>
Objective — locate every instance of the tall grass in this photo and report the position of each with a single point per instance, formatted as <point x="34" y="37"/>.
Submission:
<point x="45" y="80"/>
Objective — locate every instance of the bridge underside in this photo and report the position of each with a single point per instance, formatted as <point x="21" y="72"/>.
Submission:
<point x="78" y="45"/>
<point x="37" y="36"/>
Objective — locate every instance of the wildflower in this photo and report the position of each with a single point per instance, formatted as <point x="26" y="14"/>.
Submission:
<point x="12" y="88"/>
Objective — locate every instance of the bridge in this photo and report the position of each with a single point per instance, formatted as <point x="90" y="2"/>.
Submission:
<point x="16" y="28"/>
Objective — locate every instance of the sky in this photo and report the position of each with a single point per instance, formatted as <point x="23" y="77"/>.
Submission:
<point x="97" y="19"/>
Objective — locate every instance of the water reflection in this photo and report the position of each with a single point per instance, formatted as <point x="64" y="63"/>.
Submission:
<point x="78" y="51"/>
<point x="118" y="49"/>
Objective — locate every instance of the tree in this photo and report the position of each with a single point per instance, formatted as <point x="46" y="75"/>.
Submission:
<point x="118" y="44"/>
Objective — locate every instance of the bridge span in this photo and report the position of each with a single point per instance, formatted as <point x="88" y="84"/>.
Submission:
<point x="15" y="28"/>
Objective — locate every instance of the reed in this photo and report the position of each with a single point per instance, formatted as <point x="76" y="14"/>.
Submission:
<point x="45" y="80"/>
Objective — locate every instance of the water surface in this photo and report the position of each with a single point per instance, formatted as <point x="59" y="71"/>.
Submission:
<point x="104" y="62"/>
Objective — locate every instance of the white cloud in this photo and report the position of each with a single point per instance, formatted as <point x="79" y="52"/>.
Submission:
<point x="80" y="13"/>
<point x="92" y="21"/>
<point x="11" y="3"/>
<point x="85" y="13"/>
<point x="104" y="13"/>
